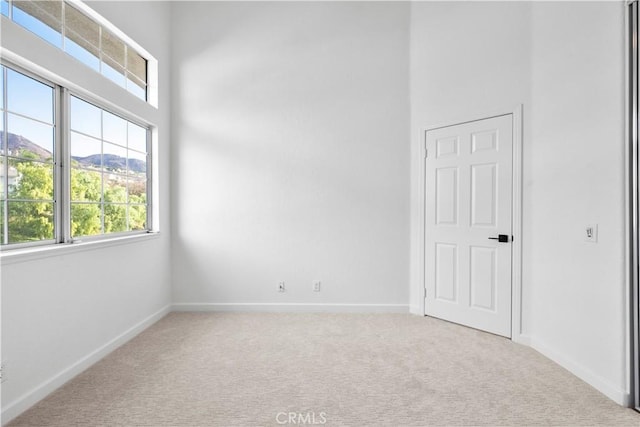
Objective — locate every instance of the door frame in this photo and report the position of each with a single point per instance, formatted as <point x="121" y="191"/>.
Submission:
<point x="632" y="202"/>
<point x="516" y="213"/>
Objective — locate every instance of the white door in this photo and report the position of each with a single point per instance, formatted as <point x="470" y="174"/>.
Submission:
<point x="468" y="205"/>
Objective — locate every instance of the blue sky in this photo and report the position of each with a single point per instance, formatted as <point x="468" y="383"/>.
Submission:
<point x="33" y="99"/>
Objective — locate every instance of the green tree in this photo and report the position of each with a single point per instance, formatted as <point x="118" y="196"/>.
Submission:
<point x="31" y="214"/>
<point x="85" y="219"/>
<point x="115" y="215"/>
<point x="93" y="211"/>
<point x="86" y="186"/>
<point x="137" y="205"/>
<point x="137" y="217"/>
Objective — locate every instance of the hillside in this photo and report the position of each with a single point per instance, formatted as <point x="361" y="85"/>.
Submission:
<point x="18" y="145"/>
<point x="112" y="163"/>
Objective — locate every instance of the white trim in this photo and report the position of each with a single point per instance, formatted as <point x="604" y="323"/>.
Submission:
<point x="24" y="402"/>
<point x="516" y="226"/>
<point x="469" y="118"/>
<point x="523" y="339"/>
<point x="422" y="289"/>
<point x="416" y="309"/>
<point x="629" y="220"/>
<point x="621" y="397"/>
<point x="292" y="307"/>
<point x="14" y="256"/>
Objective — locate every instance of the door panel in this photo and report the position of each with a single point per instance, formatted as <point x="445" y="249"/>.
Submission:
<point x="447" y="196"/>
<point x="483" y="195"/>
<point x="482" y="277"/>
<point x="447" y="147"/>
<point x="468" y="200"/>
<point x="446" y="272"/>
<point x="484" y="141"/>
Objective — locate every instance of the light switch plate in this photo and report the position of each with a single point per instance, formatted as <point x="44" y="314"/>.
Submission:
<point x="591" y="233"/>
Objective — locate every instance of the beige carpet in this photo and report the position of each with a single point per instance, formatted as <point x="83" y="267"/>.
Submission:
<point x="233" y="369"/>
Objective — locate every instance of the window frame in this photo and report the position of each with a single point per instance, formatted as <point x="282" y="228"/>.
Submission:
<point x="56" y="155"/>
<point x="62" y="163"/>
<point x="67" y="172"/>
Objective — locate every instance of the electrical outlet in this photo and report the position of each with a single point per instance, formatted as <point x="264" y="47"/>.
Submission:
<point x="3" y="372"/>
<point x="316" y="286"/>
<point x="280" y="286"/>
<point x="591" y="233"/>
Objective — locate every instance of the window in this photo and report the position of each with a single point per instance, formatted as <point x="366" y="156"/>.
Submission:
<point x="108" y="172"/>
<point x="75" y="155"/>
<point x="68" y="28"/>
<point x="103" y="160"/>
<point x="27" y="193"/>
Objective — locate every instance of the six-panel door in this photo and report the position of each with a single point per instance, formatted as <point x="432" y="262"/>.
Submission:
<point x="468" y="201"/>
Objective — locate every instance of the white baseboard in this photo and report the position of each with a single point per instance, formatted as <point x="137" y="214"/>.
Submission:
<point x="293" y="307"/>
<point x="21" y="404"/>
<point x="522" y="339"/>
<point x="621" y="397"/>
<point x="416" y="309"/>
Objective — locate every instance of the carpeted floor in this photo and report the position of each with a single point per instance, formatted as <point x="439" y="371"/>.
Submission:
<point x="250" y="369"/>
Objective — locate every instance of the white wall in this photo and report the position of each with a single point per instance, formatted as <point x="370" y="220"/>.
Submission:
<point x="60" y="311"/>
<point x="290" y="128"/>
<point x="576" y="177"/>
<point x="564" y="62"/>
<point x="468" y="60"/>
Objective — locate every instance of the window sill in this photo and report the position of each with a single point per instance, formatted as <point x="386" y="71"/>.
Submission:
<point x="29" y="254"/>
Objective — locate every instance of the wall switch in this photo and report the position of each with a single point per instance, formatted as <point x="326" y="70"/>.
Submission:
<point x="591" y="233"/>
<point x="3" y="372"/>
<point x="316" y="286"/>
<point x="280" y="286"/>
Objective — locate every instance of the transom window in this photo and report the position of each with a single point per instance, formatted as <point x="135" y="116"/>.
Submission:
<point x="68" y="28"/>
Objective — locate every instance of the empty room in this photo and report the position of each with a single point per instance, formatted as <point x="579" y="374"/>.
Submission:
<point x="319" y="213"/>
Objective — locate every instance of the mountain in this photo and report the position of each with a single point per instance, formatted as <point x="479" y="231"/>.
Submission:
<point x="112" y="162"/>
<point x="17" y="145"/>
<point x="137" y="166"/>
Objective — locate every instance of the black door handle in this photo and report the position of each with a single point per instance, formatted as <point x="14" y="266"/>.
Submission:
<point x="502" y="238"/>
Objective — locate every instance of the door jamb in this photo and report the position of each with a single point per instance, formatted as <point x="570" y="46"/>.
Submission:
<point x="516" y="214"/>
<point x="632" y="244"/>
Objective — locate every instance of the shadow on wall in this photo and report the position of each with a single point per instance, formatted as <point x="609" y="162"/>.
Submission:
<point x="292" y="148"/>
